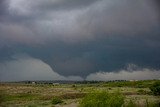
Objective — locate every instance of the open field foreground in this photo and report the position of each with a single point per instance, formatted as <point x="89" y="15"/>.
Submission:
<point x="134" y="93"/>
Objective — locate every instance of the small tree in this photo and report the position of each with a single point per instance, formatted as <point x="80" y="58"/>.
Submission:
<point x="155" y="88"/>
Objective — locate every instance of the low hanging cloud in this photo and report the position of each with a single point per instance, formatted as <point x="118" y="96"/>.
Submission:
<point x="128" y="74"/>
<point x="24" y="67"/>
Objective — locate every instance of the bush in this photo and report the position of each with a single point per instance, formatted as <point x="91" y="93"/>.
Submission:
<point x="155" y="88"/>
<point x="56" y="100"/>
<point x="102" y="99"/>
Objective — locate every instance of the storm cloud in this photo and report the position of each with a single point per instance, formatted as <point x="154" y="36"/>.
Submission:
<point x="23" y="67"/>
<point x="79" y="37"/>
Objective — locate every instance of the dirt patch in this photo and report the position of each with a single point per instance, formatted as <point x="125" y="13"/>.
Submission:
<point x="72" y="95"/>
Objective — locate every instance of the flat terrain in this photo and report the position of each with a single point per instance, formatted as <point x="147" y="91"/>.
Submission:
<point x="41" y="95"/>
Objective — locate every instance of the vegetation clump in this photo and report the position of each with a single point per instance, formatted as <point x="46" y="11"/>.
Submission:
<point x="102" y="99"/>
<point x="56" y="100"/>
<point x="142" y="92"/>
<point x="155" y="88"/>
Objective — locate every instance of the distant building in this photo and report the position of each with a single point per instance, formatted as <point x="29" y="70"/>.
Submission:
<point x="55" y="84"/>
<point x="33" y="82"/>
<point x="133" y="80"/>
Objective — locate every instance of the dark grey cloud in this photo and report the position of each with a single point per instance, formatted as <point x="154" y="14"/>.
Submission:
<point x="100" y="18"/>
<point x="157" y="3"/>
<point x="62" y="4"/>
<point x="78" y="37"/>
<point x="2" y="7"/>
<point x="3" y="11"/>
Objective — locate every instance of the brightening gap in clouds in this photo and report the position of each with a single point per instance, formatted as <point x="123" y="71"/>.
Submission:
<point x="128" y="74"/>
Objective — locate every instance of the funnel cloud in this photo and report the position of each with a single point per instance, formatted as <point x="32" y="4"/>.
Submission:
<point x="78" y="39"/>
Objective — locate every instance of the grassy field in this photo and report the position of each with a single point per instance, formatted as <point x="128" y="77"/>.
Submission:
<point x="70" y="95"/>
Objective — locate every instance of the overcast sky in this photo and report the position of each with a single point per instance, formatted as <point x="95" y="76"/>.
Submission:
<point x="79" y="39"/>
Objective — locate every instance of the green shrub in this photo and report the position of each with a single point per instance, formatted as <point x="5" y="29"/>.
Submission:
<point x="102" y="99"/>
<point x="56" y="100"/>
<point x="155" y="88"/>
